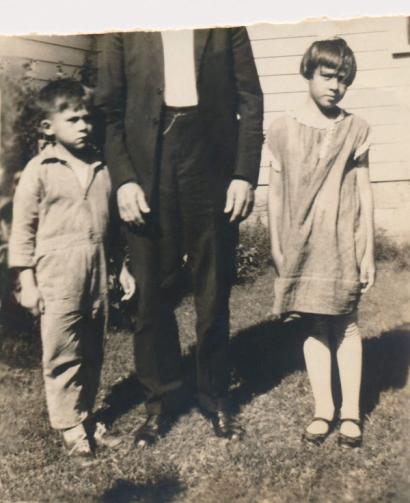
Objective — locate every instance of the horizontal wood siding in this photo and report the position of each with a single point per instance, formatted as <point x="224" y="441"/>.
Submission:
<point x="380" y="95"/>
<point x="46" y="52"/>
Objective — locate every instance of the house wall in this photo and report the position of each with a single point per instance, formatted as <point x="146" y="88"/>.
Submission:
<point x="47" y="52"/>
<point x="380" y="93"/>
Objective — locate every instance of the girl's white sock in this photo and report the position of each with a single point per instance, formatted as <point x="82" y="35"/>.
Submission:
<point x="349" y="359"/>
<point x="318" y="364"/>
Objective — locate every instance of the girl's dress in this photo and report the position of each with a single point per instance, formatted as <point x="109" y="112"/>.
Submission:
<point x="323" y="234"/>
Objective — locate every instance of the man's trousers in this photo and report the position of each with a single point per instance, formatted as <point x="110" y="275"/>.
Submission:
<point x="186" y="219"/>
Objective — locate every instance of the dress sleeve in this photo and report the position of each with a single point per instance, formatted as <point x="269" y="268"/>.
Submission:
<point x="361" y="155"/>
<point x="273" y="141"/>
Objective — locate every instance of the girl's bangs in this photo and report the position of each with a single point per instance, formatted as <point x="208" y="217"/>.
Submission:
<point x="338" y="60"/>
<point x="331" y="59"/>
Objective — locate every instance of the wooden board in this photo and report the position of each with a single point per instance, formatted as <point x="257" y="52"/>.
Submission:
<point x="39" y="51"/>
<point x="354" y="99"/>
<point x="83" y="42"/>
<point x="289" y="65"/>
<point x="325" y="28"/>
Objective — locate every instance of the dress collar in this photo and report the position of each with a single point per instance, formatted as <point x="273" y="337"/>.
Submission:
<point x="301" y="116"/>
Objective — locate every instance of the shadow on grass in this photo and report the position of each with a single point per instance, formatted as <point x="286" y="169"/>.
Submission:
<point x="128" y="393"/>
<point x="266" y="353"/>
<point x="262" y="355"/>
<point x="123" y="396"/>
<point x="20" y="341"/>
<point x="165" y="490"/>
<point x="386" y="361"/>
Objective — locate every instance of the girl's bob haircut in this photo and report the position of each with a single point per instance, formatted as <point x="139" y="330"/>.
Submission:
<point x="332" y="53"/>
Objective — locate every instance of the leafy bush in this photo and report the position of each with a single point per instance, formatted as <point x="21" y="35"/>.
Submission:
<point x="17" y="139"/>
<point x="387" y="250"/>
<point x="253" y="253"/>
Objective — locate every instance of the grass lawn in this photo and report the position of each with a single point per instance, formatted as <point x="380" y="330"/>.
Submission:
<point x="273" y="399"/>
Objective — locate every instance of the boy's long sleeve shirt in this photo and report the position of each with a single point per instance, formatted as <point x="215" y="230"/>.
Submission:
<point x="59" y="228"/>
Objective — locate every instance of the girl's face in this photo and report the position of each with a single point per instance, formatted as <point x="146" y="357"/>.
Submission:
<point x="326" y="87"/>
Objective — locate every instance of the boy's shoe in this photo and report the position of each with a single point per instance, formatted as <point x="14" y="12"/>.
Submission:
<point x="103" y="438"/>
<point x="78" y="447"/>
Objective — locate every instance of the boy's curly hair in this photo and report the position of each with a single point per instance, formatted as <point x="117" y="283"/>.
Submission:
<point x="58" y="95"/>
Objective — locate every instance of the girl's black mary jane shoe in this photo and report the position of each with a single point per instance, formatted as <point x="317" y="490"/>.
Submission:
<point x="318" y="438"/>
<point x="347" y="440"/>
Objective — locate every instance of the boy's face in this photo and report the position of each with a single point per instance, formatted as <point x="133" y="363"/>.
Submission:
<point x="326" y="87"/>
<point x="71" y="127"/>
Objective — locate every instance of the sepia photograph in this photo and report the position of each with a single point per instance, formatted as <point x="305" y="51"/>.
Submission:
<point x="205" y="264"/>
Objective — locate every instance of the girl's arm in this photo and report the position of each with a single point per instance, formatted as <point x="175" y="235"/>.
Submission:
<point x="275" y="194"/>
<point x="367" y="266"/>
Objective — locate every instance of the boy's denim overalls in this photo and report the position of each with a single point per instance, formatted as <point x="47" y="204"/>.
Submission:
<point x="59" y="229"/>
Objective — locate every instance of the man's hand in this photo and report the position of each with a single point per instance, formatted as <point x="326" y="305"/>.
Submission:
<point x="367" y="273"/>
<point x="127" y="282"/>
<point x="30" y="296"/>
<point x="132" y="204"/>
<point x="239" y="200"/>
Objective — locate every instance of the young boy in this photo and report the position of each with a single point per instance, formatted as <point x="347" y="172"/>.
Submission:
<point x="59" y="229"/>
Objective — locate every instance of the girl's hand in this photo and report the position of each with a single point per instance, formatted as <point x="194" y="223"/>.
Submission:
<point x="127" y="282"/>
<point x="367" y="273"/>
<point x="31" y="299"/>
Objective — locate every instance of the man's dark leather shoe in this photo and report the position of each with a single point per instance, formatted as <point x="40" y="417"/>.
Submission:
<point x="154" y="427"/>
<point x="225" y="426"/>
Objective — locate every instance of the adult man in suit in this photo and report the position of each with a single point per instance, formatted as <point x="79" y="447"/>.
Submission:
<point x="183" y="139"/>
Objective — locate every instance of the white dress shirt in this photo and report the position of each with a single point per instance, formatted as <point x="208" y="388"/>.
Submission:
<point x="179" y="64"/>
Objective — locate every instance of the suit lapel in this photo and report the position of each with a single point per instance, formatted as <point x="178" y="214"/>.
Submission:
<point x="156" y="55"/>
<point x="200" y="40"/>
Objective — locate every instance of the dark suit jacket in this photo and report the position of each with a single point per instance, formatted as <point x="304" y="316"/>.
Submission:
<point x="131" y="94"/>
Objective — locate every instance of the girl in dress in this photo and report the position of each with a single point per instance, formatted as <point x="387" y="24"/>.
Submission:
<point x="322" y="233"/>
